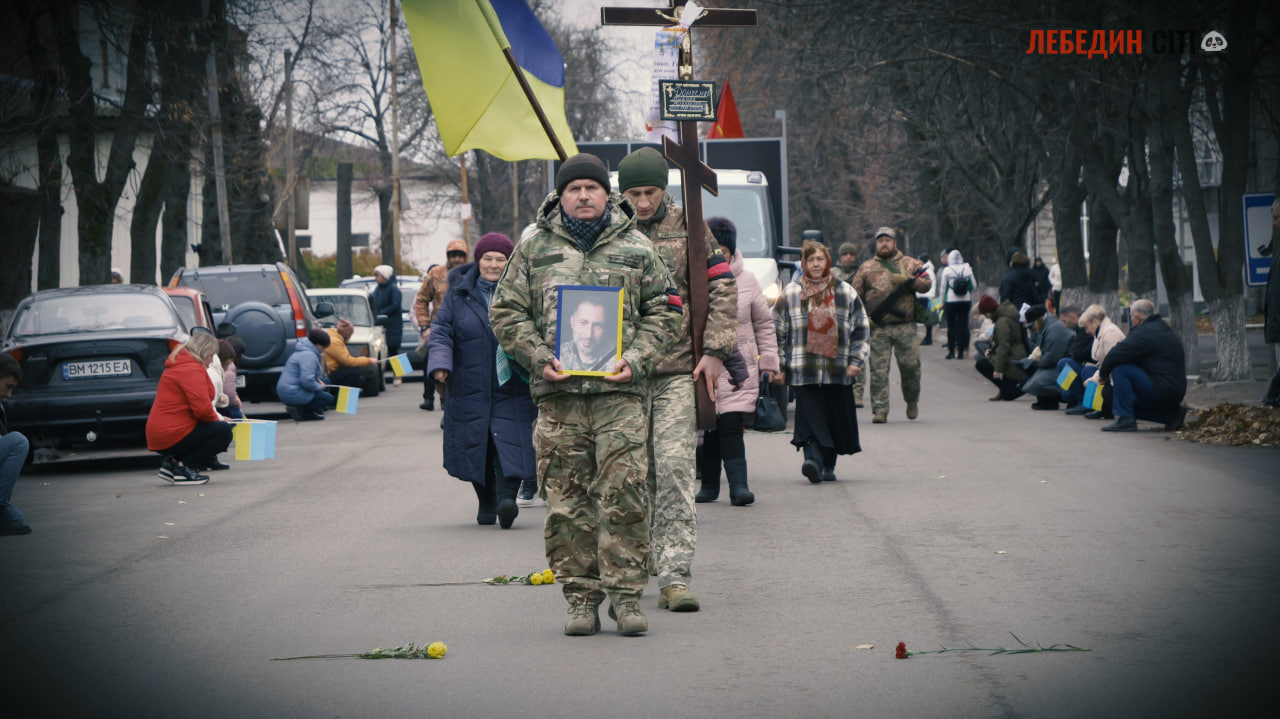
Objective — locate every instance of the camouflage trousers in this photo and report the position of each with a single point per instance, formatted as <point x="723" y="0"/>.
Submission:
<point x="592" y="457"/>
<point x="887" y="340"/>
<point x="673" y="446"/>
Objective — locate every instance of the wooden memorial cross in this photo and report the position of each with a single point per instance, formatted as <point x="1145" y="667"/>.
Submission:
<point x="694" y="174"/>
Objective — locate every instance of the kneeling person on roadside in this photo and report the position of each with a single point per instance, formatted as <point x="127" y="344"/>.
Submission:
<point x="1042" y="363"/>
<point x="589" y="439"/>
<point x="14" y="448"/>
<point x="1147" y="372"/>
<point x="343" y="368"/>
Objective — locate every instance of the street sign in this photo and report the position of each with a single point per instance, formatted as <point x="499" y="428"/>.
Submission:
<point x="1257" y="236"/>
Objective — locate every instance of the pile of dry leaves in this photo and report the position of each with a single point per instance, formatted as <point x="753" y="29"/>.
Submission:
<point x="1236" y="425"/>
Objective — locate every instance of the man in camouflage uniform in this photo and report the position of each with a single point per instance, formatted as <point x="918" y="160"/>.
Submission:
<point x="673" y="424"/>
<point x="844" y="270"/>
<point x="425" y="306"/>
<point x="589" y="437"/>
<point x="875" y="280"/>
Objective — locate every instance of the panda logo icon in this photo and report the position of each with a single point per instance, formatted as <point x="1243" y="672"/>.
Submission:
<point x="1213" y="42"/>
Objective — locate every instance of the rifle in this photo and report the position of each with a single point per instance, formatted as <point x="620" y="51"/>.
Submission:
<point x="887" y="306"/>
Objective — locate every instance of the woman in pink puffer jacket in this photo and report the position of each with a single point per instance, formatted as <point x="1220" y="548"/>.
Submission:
<point x="758" y="344"/>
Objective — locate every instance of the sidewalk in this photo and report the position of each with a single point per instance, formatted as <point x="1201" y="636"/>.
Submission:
<point x="1203" y="394"/>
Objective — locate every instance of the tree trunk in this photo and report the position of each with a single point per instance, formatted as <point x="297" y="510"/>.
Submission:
<point x="1165" y="99"/>
<point x="1104" y="272"/>
<point x="97" y="199"/>
<point x="1067" y="195"/>
<point x="146" y="216"/>
<point x="1224" y="290"/>
<point x="49" y="155"/>
<point x="387" y="241"/>
<point x="21" y="210"/>
<point x="1229" y="332"/>
<point x="173" y="233"/>
<point x="1139" y="244"/>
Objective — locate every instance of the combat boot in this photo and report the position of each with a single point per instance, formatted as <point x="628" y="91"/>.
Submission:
<point x="584" y="620"/>
<point x="812" y="463"/>
<point x="913" y="410"/>
<point x="677" y="598"/>
<point x="736" y="471"/>
<point x="631" y="621"/>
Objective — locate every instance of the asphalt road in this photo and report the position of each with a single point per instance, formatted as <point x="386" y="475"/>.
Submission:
<point x="975" y="523"/>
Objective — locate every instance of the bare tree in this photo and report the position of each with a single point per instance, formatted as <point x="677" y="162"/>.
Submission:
<point x="97" y="199"/>
<point x="351" y="93"/>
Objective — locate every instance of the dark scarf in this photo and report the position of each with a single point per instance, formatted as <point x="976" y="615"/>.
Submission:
<point x="585" y="232"/>
<point x="658" y="215"/>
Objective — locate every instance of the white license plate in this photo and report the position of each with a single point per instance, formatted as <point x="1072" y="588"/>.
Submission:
<point x="239" y="381"/>
<point x="97" y="368"/>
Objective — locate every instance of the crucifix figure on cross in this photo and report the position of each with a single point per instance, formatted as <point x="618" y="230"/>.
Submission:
<point x="694" y="174"/>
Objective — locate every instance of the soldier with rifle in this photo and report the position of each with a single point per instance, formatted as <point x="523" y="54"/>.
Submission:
<point x="888" y="283"/>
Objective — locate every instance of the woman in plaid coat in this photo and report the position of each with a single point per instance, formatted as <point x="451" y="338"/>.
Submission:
<point x="823" y="330"/>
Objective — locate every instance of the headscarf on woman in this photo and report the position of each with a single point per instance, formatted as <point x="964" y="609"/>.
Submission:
<point x="819" y="294"/>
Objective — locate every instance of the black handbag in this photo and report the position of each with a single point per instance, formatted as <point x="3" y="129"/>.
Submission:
<point x="769" y="417"/>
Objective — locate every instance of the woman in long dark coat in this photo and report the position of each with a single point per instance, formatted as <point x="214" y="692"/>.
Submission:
<point x="385" y="299"/>
<point x="488" y="424"/>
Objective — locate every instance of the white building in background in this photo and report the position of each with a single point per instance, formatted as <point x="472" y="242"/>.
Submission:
<point x="431" y="219"/>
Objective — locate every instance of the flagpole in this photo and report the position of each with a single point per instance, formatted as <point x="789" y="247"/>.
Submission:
<point x="466" y="221"/>
<point x="533" y="100"/>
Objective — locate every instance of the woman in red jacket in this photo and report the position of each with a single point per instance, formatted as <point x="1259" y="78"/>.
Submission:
<point x="183" y="425"/>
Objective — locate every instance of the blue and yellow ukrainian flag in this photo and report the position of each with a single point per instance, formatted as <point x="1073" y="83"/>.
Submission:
<point x="1066" y="377"/>
<point x="400" y="365"/>
<point x="1093" y="396"/>
<point x="348" y="399"/>
<point x="474" y="94"/>
<point x="254" y="438"/>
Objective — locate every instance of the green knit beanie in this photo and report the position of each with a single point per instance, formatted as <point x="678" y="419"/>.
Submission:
<point x="645" y="167"/>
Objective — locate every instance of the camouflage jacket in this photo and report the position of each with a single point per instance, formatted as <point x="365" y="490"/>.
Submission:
<point x="670" y="236"/>
<point x="525" y="303"/>
<point x="873" y="282"/>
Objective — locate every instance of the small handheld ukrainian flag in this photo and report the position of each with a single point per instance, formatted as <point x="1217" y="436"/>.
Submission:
<point x="1093" y="396"/>
<point x="348" y="399"/>
<point x="254" y="438"/>
<point x="1067" y="377"/>
<point x="401" y="365"/>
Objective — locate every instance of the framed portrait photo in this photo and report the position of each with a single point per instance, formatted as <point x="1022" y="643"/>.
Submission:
<point x="589" y="329"/>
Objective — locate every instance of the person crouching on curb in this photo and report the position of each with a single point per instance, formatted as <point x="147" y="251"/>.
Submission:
<point x="182" y="424"/>
<point x="301" y="386"/>
<point x="589" y="438"/>
<point x="14" y="448"/>
<point x="824" y="331"/>
<point x="1002" y="363"/>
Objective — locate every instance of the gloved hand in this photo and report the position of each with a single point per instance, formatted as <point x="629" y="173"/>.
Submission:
<point x="736" y="366"/>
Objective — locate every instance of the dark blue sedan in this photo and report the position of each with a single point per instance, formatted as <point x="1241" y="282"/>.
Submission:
<point x="91" y="360"/>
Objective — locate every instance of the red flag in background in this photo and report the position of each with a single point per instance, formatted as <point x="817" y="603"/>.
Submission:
<point x="727" y="123"/>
